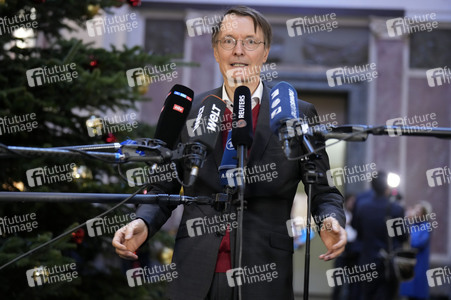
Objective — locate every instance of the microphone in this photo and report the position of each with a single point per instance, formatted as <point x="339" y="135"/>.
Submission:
<point x="284" y="112"/>
<point x="176" y="108"/>
<point x="173" y="114"/>
<point x="242" y="133"/>
<point x="209" y="114"/>
<point x="229" y="162"/>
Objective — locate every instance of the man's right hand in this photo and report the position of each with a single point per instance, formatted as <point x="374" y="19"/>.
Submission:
<point x="129" y="238"/>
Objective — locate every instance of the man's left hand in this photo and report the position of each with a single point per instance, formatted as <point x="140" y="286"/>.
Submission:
<point x="334" y="238"/>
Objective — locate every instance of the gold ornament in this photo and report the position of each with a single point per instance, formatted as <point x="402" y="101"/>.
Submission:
<point x="143" y="82"/>
<point x="41" y="275"/>
<point x="165" y="256"/>
<point x="94" y="126"/>
<point x="93" y="10"/>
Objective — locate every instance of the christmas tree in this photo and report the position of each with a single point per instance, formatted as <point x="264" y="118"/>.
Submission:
<point x="38" y="113"/>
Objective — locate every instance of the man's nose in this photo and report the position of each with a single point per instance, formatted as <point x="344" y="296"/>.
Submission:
<point x="239" y="48"/>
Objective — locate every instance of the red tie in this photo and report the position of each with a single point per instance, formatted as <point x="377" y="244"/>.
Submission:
<point x="223" y="262"/>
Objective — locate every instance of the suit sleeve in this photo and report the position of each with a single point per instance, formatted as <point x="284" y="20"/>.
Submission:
<point x="155" y="215"/>
<point x="326" y="201"/>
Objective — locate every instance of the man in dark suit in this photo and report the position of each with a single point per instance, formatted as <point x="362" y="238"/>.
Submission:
<point x="370" y="221"/>
<point x="241" y="46"/>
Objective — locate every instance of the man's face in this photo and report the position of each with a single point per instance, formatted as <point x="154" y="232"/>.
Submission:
<point x="240" y="64"/>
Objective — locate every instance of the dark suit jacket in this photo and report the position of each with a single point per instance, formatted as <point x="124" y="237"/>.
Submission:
<point x="265" y="235"/>
<point x="369" y="220"/>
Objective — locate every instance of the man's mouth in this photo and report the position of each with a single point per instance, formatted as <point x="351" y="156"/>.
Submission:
<point x="238" y="65"/>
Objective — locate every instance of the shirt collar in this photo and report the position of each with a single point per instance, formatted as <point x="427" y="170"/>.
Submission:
<point x="257" y="95"/>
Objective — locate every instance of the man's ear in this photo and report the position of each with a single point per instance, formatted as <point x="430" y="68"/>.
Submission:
<point x="215" y="53"/>
<point x="265" y="55"/>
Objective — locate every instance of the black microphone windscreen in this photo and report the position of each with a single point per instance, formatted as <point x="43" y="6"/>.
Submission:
<point x="173" y="115"/>
<point x="242" y="133"/>
<point x="283" y="105"/>
<point x="206" y="128"/>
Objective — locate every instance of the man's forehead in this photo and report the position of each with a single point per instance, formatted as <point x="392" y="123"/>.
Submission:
<point x="248" y="30"/>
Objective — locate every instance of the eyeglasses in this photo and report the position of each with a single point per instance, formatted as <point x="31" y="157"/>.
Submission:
<point x="228" y="43"/>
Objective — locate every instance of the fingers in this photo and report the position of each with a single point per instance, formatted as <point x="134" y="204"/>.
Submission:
<point x="332" y="253"/>
<point x="119" y="238"/>
<point x="126" y="254"/>
<point x="123" y="234"/>
<point x="336" y="237"/>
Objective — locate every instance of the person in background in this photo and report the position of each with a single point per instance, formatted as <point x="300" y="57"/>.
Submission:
<point x="369" y="220"/>
<point x="418" y="288"/>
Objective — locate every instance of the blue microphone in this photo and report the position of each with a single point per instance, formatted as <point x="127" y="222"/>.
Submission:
<point x="283" y="105"/>
<point x="284" y="113"/>
<point x="229" y="162"/>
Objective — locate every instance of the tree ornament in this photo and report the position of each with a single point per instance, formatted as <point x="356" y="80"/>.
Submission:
<point x="93" y="10"/>
<point x="93" y="63"/>
<point x="40" y="275"/>
<point x="78" y="236"/>
<point x="134" y="3"/>
<point x="165" y="256"/>
<point x="111" y="138"/>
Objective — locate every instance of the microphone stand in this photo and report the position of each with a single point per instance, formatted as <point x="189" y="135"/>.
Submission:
<point x="241" y="183"/>
<point x="311" y="177"/>
<point x="297" y="128"/>
<point x="164" y="199"/>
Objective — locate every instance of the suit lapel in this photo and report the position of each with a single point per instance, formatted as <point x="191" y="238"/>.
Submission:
<point x="262" y="131"/>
